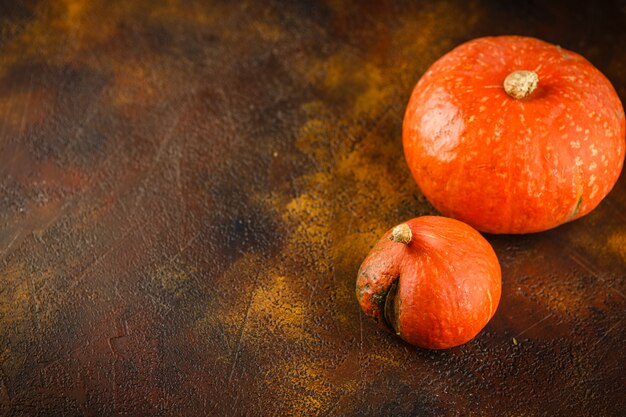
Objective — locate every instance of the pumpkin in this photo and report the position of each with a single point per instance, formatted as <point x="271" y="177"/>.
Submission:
<point x="434" y="281"/>
<point x="512" y="134"/>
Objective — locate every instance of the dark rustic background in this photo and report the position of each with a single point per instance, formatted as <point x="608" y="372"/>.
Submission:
<point x="188" y="188"/>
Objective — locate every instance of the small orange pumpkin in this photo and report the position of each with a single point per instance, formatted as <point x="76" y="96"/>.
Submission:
<point x="434" y="281"/>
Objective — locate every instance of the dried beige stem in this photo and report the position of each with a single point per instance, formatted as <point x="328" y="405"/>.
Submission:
<point x="401" y="234"/>
<point x="521" y="84"/>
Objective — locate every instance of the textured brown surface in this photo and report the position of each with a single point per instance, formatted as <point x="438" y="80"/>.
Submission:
<point x="188" y="189"/>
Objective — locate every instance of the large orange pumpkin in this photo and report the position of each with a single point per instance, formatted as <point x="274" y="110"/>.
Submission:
<point x="433" y="280"/>
<point x="512" y="134"/>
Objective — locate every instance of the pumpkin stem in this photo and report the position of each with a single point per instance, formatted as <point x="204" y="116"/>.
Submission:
<point x="521" y="84"/>
<point x="401" y="234"/>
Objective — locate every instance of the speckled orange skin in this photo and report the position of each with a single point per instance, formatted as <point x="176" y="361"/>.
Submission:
<point x="505" y="165"/>
<point x="448" y="279"/>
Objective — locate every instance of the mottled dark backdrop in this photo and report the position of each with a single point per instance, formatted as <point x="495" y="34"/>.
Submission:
<point x="188" y="188"/>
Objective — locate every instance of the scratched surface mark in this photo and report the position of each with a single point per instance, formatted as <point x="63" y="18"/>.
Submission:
<point x="188" y="188"/>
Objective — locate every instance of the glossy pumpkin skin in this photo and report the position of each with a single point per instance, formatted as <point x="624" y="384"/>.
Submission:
<point x="506" y="165"/>
<point x="437" y="291"/>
